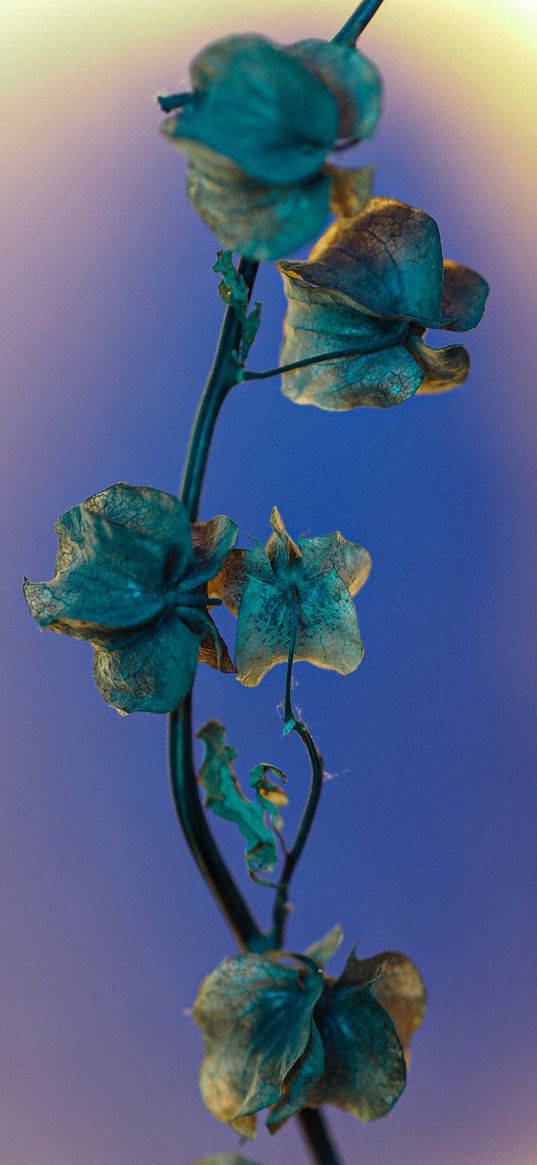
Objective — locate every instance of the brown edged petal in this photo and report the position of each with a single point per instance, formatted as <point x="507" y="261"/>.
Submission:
<point x="463" y="297"/>
<point x="444" y="368"/>
<point x="387" y="261"/>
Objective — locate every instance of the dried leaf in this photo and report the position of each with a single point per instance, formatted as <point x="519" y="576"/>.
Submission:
<point x="255" y="1015"/>
<point x="401" y="991"/>
<point x="309" y="580"/>
<point x="270" y="795"/>
<point x="225" y="797"/>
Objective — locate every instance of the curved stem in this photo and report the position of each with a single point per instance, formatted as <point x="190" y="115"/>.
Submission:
<point x="304" y="363"/>
<point x="316" y="1136"/>
<point x="354" y="26"/>
<point x="197" y="833"/>
<point x="223" y="376"/>
<point x="281" y="904"/>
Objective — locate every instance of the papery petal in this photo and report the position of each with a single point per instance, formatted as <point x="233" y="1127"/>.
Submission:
<point x="281" y="548"/>
<point x="264" y="111"/>
<point x="327" y="634"/>
<point x="302" y="1079"/>
<point x="327" y="552"/>
<point x="230" y="584"/>
<point x="149" y="670"/>
<point x="377" y="380"/>
<point x="316" y="324"/>
<point x="463" y="297"/>
<point x="444" y="367"/>
<point x="351" y="77"/>
<point x="261" y="221"/>
<point x="255" y="1016"/>
<point x="401" y="991"/>
<point x="151" y="512"/>
<point x="263" y="631"/>
<point x="350" y="190"/>
<point x="89" y="596"/>
<point x="364" y="1062"/>
<point x="212" y="541"/>
<point x="387" y="261"/>
<point x="214" y="651"/>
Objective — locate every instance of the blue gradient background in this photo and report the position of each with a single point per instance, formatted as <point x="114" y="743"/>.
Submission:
<point x="425" y="837"/>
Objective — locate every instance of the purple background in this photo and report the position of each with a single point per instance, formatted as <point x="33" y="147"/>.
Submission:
<point x="425" y="836"/>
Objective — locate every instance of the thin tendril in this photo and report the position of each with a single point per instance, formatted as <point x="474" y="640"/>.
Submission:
<point x="294" y="724"/>
<point x="354" y="26"/>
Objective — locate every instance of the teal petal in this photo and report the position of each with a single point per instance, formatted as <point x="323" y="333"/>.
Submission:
<point x="401" y="991"/>
<point x="281" y="549"/>
<point x="261" y="221"/>
<point x="301" y="1081"/>
<point x="378" y="380"/>
<point x="353" y="80"/>
<point x="90" y="596"/>
<point x="255" y="1015"/>
<point x="232" y="580"/>
<point x="148" y="670"/>
<point x="464" y="296"/>
<point x="327" y="552"/>
<point x="264" y="111"/>
<point x="327" y="635"/>
<point x="386" y="261"/>
<point x="151" y="512"/>
<point x="212" y="542"/>
<point x="364" y="1063"/>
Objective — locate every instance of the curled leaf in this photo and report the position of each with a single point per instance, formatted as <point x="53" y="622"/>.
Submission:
<point x="269" y="794"/>
<point x="233" y="289"/>
<point x="225" y="797"/>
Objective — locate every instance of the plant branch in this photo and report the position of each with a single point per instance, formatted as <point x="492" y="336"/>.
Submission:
<point x="223" y="376"/>
<point x="292" y="724"/>
<point x="189" y="810"/>
<point x="315" y="1134"/>
<point x="354" y="26"/>
<point x="339" y="355"/>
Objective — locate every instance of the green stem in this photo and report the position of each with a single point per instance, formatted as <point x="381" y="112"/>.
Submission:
<point x="292" y="724"/>
<point x="304" y="363"/>
<point x="197" y="833"/>
<point x="316" y="1136"/>
<point x="169" y="102"/>
<point x="354" y="26"/>
<point x="223" y="376"/>
<point x="341" y="354"/>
